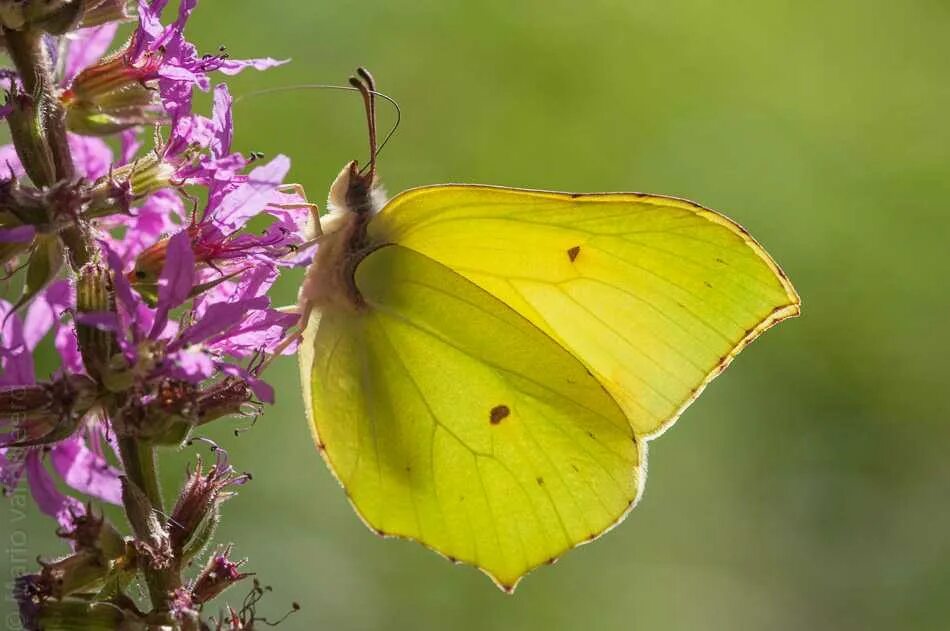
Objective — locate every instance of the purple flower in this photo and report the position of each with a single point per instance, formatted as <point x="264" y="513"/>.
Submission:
<point x="259" y="331"/>
<point x="219" y="244"/>
<point x="197" y="152"/>
<point x="165" y="324"/>
<point x="91" y="156"/>
<point x="78" y="459"/>
<point x="20" y="234"/>
<point x="85" y="47"/>
<point x="163" y="53"/>
<point x="198" y="351"/>
<point x="200" y="148"/>
<point x="109" y="94"/>
<point x="10" y="166"/>
<point x="10" y="84"/>
<point x="219" y="238"/>
<point x="161" y="213"/>
<point x="234" y="199"/>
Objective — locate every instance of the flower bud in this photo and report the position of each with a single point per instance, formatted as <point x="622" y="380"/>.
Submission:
<point x="169" y="414"/>
<point x="37" y="611"/>
<point x="114" y="194"/>
<point x="219" y="574"/>
<point x="45" y="413"/>
<point x="97" y="342"/>
<point x="32" y="412"/>
<point x="224" y="399"/>
<point x="183" y="609"/>
<point x="23" y="206"/>
<point x="75" y="573"/>
<point x="92" y="533"/>
<point x="196" y="511"/>
<point x="111" y="95"/>
<point x="111" y="112"/>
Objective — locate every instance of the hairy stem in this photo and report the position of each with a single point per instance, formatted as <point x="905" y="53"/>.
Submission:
<point x="138" y="461"/>
<point x="26" y="121"/>
<point x="33" y="65"/>
<point x="44" y="151"/>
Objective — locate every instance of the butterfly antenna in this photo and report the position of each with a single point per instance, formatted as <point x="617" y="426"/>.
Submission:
<point x="367" y="87"/>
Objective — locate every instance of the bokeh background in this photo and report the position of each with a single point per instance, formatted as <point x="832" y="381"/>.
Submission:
<point x="809" y="487"/>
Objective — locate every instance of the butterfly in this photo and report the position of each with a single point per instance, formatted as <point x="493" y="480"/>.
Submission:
<point x="482" y="367"/>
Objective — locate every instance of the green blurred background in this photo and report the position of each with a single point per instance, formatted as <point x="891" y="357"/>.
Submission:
<point x="809" y="487"/>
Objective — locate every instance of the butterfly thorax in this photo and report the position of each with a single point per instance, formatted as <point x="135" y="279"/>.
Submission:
<point x="354" y="199"/>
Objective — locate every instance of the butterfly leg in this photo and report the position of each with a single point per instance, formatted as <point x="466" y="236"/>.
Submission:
<point x="298" y="190"/>
<point x="305" y="309"/>
<point x="305" y="306"/>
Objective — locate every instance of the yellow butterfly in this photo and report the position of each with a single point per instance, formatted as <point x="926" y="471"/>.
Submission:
<point x="482" y="367"/>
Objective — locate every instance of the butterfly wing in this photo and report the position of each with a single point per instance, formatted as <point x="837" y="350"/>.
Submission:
<point x="654" y="295"/>
<point x="452" y="420"/>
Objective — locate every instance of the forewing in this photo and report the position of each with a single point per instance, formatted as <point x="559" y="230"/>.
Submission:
<point x="452" y="420"/>
<point x="654" y="295"/>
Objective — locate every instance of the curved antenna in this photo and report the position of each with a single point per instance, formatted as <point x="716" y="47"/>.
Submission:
<point x="366" y="85"/>
<point x="329" y="86"/>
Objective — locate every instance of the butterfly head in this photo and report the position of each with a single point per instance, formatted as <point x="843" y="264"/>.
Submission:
<point x="355" y="197"/>
<point x="356" y="192"/>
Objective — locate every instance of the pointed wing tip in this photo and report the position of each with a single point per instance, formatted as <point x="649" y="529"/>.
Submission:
<point x="791" y="310"/>
<point x="507" y="587"/>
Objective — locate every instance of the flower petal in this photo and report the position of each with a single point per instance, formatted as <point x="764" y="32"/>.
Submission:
<point x="161" y="213"/>
<point x="123" y="290"/>
<point x="176" y="280"/>
<point x="219" y="317"/>
<point x="10" y="163"/>
<point x="250" y="198"/>
<point x="50" y="500"/>
<point x="234" y="66"/>
<point x="91" y="155"/>
<point x="20" y="234"/>
<point x="223" y="122"/>
<point x="129" y="145"/>
<point x="86" y="46"/>
<point x="17" y="359"/>
<point x="191" y="364"/>
<point x="45" y="311"/>
<point x="86" y="471"/>
<point x="261" y="390"/>
<point x="260" y="331"/>
<point x="68" y="348"/>
<point x="12" y="466"/>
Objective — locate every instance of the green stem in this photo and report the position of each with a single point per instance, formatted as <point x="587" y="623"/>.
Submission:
<point x="42" y="144"/>
<point x="138" y="461"/>
<point x="26" y="120"/>
<point x="33" y="65"/>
